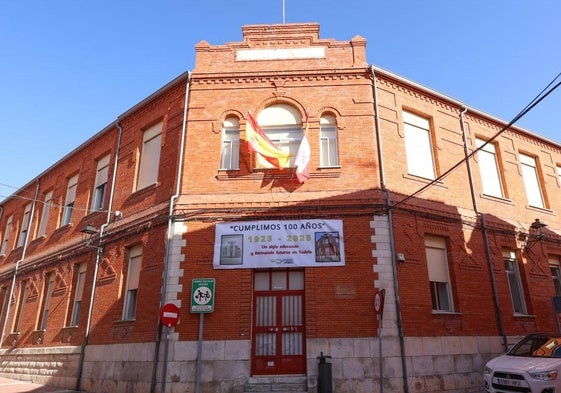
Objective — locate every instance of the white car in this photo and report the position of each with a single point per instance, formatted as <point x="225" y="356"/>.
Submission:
<point x="531" y="366"/>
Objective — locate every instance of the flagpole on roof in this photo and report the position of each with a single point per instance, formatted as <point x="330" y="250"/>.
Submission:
<point x="283" y="13"/>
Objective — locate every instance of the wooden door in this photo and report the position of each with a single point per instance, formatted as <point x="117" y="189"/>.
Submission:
<point x="278" y="323"/>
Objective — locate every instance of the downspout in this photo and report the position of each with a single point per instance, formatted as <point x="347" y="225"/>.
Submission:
<point x="16" y="267"/>
<point x="98" y="256"/>
<point x="391" y="234"/>
<point x="169" y="235"/>
<point x="484" y="232"/>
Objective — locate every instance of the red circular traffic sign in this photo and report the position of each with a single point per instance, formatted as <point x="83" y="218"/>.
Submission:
<point x="169" y="314"/>
<point x="379" y="301"/>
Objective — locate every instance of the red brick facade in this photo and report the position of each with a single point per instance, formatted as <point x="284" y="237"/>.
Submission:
<point x="387" y="226"/>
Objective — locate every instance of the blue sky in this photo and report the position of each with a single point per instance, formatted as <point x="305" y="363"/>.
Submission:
<point x="68" y="68"/>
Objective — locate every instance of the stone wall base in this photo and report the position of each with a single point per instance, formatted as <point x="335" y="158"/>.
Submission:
<point x="433" y="364"/>
<point x="56" y="366"/>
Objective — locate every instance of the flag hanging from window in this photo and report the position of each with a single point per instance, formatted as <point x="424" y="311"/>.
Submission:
<point x="258" y="142"/>
<point x="302" y="160"/>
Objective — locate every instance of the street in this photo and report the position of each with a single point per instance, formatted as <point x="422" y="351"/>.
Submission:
<point x="15" y="386"/>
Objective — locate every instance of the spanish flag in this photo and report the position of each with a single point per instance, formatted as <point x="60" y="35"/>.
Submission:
<point x="258" y="142"/>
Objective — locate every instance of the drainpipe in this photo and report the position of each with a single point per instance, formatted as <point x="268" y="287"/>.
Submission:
<point x="484" y="232"/>
<point x="16" y="267"/>
<point x="169" y="238"/>
<point x="390" y="224"/>
<point x="98" y="255"/>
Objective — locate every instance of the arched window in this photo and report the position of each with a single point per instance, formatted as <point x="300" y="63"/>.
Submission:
<point x="328" y="145"/>
<point x="230" y="158"/>
<point x="283" y="125"/>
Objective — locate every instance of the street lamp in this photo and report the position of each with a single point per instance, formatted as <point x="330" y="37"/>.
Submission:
<point x="88" y="233"/>
<point x="537" y="236"/>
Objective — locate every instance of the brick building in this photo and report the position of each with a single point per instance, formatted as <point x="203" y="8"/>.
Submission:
<point x="169" y="193"/>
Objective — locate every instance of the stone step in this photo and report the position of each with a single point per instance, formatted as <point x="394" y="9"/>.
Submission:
<point x="276" y="384"/>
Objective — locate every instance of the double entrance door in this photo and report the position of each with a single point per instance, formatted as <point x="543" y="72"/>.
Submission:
<point x="278" y="323"/>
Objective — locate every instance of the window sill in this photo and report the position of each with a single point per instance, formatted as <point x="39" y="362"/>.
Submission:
<point x="539" y="209"/>
<point x="145" y="190"/>
<point x="446" y="313"/>
<point x="424" y="180"/>
<point x="37" y="240"/>
<point x="64" y="227"/>
<point x="124" y="321"/>
<point x="525" y="316"/>
<point x="496" y="199"/>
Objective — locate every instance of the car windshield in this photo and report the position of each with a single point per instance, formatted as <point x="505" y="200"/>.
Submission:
<point x="538" y="345"/>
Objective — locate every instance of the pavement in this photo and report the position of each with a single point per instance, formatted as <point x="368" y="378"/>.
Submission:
<point x="13" y="386"/>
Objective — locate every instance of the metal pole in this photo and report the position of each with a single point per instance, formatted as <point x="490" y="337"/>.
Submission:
<point x="380" y="352"/>
<point x="199" y="353"/>
<point x="165" y="365"/>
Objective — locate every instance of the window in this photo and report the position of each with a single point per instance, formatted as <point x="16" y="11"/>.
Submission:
<point x="4" y="297"/>
<point x="6" y="238"/>
<point x="47" y="202"/>
<point x="328" y="147"/>
<point x="559" y="173"/>
<point x="48" y="290"/>
<point x="418" y="146"/>
<point x="489" y="169"/>
<point x="554" y="262"/>
<point x="133" y="275"/>
<point x="230" y="158"/>
<point x="531" y="179"/>
<point x="514" y="283"/>
<point x="150" y="157"/>
<point x="24" y="225"/>
<point x="439" y="278"/>
<point x="21" y="305"/>
<point x="100" y="186"/>
<point x="68" y="208"/>
<point x="283" y="126"/>
<point x="78" y="292"/>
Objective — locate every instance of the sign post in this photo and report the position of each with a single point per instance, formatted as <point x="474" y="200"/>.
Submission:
<point x="379" y="298"/>
<point x="169" y="317"/>
<point x="202" y="302"/>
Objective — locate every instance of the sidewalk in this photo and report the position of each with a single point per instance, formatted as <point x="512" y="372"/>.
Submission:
<point x="14" y="386"/>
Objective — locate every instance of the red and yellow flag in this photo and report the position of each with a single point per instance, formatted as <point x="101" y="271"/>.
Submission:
<point x="258" y="142"/>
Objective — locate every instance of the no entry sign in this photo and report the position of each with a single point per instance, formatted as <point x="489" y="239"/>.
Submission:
<point x="169" y="314"/>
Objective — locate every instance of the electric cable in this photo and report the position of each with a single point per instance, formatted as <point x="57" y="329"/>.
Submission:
<point x="540" y="97"/>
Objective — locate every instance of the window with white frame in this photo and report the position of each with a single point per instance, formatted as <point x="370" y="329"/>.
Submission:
<point x="69" y="200"/>
<point x="283" y="126"/>
<point x="25" y="223"/>
<point x="489" y="169"/>
<point x="230" y="157"/>
<point x="133" y="276"/>
<point x="45" y="308"/>
<point x="100" y="185"/>
<point x="514" y="283"/>
<point x="21" y="305"/>
<point x="531" y="178"/>
<point x="6" y="237"/>
<point x="554" y="263"/>
<point x="418" y="146"/>
<point x="328" y="142"/>
<point x="78" y="293"/>
<point x="150" y="156"/>
<point x="439" y="276"/>
<point x="45" y="212"/>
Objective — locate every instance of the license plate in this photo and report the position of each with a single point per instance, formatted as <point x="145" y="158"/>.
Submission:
<point x="509" y="382"/>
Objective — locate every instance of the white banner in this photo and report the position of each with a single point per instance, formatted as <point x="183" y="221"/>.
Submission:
<point x="283" y="243"/>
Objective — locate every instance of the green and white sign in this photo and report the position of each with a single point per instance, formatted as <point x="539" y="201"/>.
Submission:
<point x="202" y="295"/>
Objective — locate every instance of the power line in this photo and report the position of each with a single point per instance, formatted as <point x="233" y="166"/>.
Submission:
<point x="540" y="97"/>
